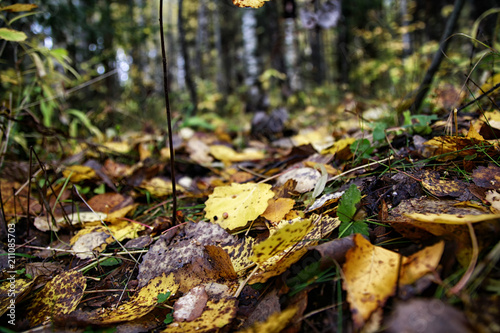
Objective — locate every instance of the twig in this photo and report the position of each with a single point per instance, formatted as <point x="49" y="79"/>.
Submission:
<point x="468" y="273"/>
<point x="360" y="167"/>
<point x="169" y="116"/>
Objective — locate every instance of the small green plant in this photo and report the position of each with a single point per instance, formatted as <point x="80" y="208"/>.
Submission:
<point x="311" y="274"/>
<point x="163" y="297"/>
<point x="346" y="213"/>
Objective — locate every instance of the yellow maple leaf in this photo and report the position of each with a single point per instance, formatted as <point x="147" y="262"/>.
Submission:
<point x="233" y="207"/>
<point x="249" y="3"/>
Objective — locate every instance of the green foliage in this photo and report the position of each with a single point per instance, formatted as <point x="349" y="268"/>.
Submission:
<point x="169" y="318"/>
<point x="362" y="149"/>
<point x="419" y="124"/>
<point x="346" y="212"/>
<point x="310" y="275"/>
<point x="111" y="262"/>
<point x="163" y="297"/>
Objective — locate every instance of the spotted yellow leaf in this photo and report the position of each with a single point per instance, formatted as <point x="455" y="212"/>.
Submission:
<point x="233" y="207"/>
<point x="59" y="297"/>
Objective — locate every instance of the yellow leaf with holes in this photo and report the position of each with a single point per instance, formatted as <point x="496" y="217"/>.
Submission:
<point x="283" y="238"/>
<point x="288" y="243"/>
<point x="78" y="173"/>
<point x="370" y="278"/>
<point x="233" y="207"/>
<point x="249" y="3"/>
<point x="59" y="297"/>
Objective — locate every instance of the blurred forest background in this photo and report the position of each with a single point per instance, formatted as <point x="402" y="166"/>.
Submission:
<point x="95" y="65"/>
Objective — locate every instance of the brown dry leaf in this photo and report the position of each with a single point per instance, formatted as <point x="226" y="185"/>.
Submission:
<point x="59" y="297"/>
<point x="441" y="187"/>
<point x="217" y="314"/>
<point x="139" y="305"/>
<point x="277" y="209"/>
<point x="421" y="263"/>
<point x="12" y="204"/>
<point x="78" y="173"/>
<point x="249" y="3"/>
<point x="233" y="207"/>
<point x="487" y="177"/>
<point x="276" y="322"/>
<point x="199" y="151"/>
<point x="221" y="261"/>
<point x="370" y="278"/>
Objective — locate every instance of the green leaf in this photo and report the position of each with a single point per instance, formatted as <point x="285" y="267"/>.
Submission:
<point x="379" y="132"/>
<point x="356" y="227"/>
<point x="111" y="262"/>
<point x="12" y="35"/>
<point x="362" y="148"/>
<point x="169" y="318"/>
<point x="348" y="202"/>
<point x="162" y="297"/>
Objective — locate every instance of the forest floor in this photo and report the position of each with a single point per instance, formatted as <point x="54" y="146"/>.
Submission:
<point x="342" y="227"/>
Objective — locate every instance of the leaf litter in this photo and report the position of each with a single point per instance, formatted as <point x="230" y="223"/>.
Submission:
<point x="272" y="226"/>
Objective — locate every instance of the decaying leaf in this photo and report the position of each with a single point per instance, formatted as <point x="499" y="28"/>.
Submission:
<point x="306" y="178"/>
<point x="233" y="207"/>
<point x="288" y="244"/>
<point x="139" y="305"/>
<point x="487" y="177"/>
<point x="442" y="187"/>
<point x="191" y="305"/>
<point x="19" y="287"/>
<point x="217" y="314"/>
<point x="59" y="297"/>
<point x="44" y="223"/>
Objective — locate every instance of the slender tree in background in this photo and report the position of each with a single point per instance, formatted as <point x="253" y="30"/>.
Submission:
<point x="188" y="76"/>
<point x="438" y="56"/>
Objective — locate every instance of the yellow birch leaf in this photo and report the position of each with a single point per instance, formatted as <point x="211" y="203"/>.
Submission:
<point x="249" y="3"/>
<point x="278" y="208"/>
<point x="233" y="207"/>
<point x="370" y="277"/>
<point x="228" y="154"/>
<point x="451" y="218"/>
<point x="139" y="305"/>
<point x="275" y="323"/>
<point x="421" y="263"/>
<point x="60" y="296"/>
<point x="78" y="173"/>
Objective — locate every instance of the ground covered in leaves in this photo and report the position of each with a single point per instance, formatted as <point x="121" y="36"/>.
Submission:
<point x="329" y="229"/>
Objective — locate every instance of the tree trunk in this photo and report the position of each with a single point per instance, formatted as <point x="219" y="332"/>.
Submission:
<point x="185" y="59"/>
<point x="438" y="56"/>
<point x="201" y="37"/>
